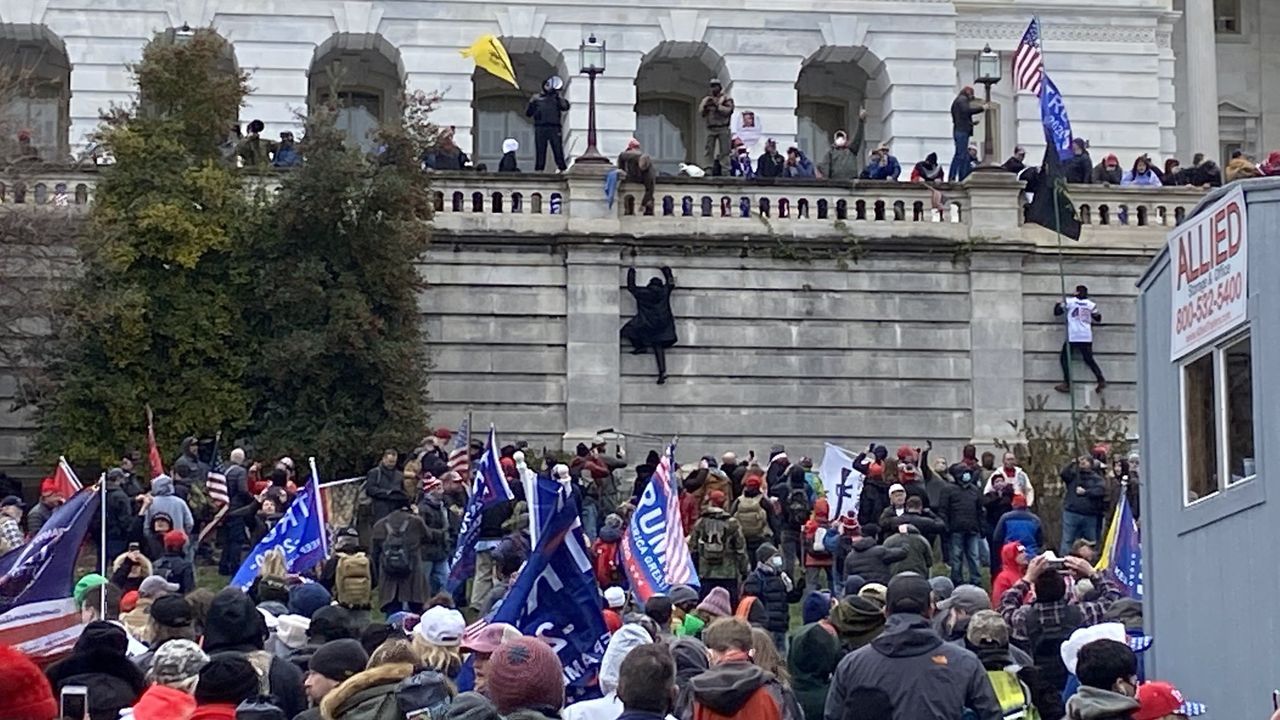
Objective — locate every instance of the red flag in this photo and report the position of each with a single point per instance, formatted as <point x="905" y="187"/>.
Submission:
<point x="153" y="452"/>
<point x="64" y="480"/>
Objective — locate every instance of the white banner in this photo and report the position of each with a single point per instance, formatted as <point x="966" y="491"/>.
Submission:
<point x="842" y="483"/>
<point x="1209" y="259"/>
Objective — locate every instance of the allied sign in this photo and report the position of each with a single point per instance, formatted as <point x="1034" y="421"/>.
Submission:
<point x="1209" y="257"/>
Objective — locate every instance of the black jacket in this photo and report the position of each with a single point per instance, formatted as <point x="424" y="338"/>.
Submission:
<point x="175" y="568"/>
<point x="508" y="163"/>
<point x="872" y="561"/>
<point x="962" y="111"/>
<point x="98" y="662"/>
<point x="435" y="544"/>
<point x="1094" y="499"/>
<point x="385" y="487"/>
<point x="120" y="515"/>
<point x="766" y="584"/>
<point x="238" y="486"/>
<point x="961" y="507"/>
<point x="546" y="109"/>
<point x="770" y="166"/>
<point x="1079" y="169"/>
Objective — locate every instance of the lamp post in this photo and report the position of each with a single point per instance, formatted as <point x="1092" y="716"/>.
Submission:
<point x="987" y="72"/>
<point x="591" y="57"/>
<point x="183" y="35"/>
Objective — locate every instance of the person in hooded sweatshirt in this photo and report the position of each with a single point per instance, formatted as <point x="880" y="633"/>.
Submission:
<point x="609" y="707"/>
<point x="1108" y="673"/>
<point x="234" y="625"/>
<point x="188" y="471"/>
<point x="227" y="680"/>
<point x="734" y="686"/>
<point x="1014" y="557"/>
<point x="1108" y="171"/>
<point x="646" y="684"/>
<point x="908" y="672"/>
<point x="927" y="170"/>
<point x="691" y="660"/>
<point x="98" y="662"/>
<point x="811" y="659"/>
<point x="164" y="501"/>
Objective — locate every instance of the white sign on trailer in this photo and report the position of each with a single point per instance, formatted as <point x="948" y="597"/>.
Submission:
<point x="1210" y="259"/>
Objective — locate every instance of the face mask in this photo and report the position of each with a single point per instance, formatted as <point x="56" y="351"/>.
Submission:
<point x="841" y="142"/>
<point x="776" y="562"/>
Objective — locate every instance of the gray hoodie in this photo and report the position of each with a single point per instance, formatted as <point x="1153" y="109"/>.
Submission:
<point x="1090" y="703"/>
<point x="166" y="502"/>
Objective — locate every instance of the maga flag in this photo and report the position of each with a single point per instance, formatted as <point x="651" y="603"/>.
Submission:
<point x="655" y="554"/>
<point x="300" y="534"/>
<point x="488" y="488"/>
<point x="1050" y="206"/>
<point x="1121" y="556"/>
<point x="489" y="55"/>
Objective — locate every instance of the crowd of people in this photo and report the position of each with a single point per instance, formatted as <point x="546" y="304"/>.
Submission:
<point x="375" y="633"/>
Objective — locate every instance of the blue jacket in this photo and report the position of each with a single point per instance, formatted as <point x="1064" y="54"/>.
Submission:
<point x="1021" y="526"/>
<point x="802" y="169"/>
<point x="889" y="170"/>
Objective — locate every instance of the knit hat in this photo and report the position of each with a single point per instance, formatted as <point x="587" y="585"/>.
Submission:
<point x="987" y="629"/>
<point x="155" y="586"/>
<point x="857" y="620"/>
<point x="853" y="584"/>
<point x="716" y="498"/>
<point x="233" y="622"/>
<point x="615" y="597"/>
<point x="129" y="601"/>
<point x="102" y="638"/>
<point x="716" y="603"/>
<point x="942" y="587"/>
<point x="227" y="678"/>
<point x="876" y="593"/>
<point x="175" y="540"/>
<point x="330" y="623"/>
<point x="525" y="673"/>
<point x="291" y="630"/>
<point x="613" y="520"/>
<point x="753" y="481"/>
<point x="1019" y="501"/>
<point x="306" y="598"/>
<point x="85" y="584"/>
<point x="28" y="695"/>
<point x="177" y="661"/>
<point x="681" y="594"/>
<point x="633" y="144"/>
<point x="442" y="626"/>
<point x="816" y="606"/>
<point x="764" y="552"/>
<point x="171" y="611"/>
<point x="338" y="659"/>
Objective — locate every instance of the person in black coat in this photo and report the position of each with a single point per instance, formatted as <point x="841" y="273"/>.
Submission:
<point x="771" y="163"/>
<point x="98" y="662"/>
<point x="547" y="110"/>
<point x="234" y="625"/>
<point x="120" y="517"/>
<point x="654" y="326"/>
<point x="385" y="485"/>
<point x="871" y="560"/>
<point x="961" y="509"/>
<point x="771" y="587"/>
<point x="508" y="163"/>
<point x="1079" y="169"/>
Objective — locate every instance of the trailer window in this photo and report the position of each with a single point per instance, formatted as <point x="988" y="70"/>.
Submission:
<point x="1217" y="418"/>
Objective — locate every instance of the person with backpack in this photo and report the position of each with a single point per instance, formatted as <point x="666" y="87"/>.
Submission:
<point x="398" y="541"/>
<point x="988" y="637"/>
<point x="436" y="547"/>
<point x="769" y="586"/>
<point x="348" y="575"/>
<point x="870" y="559"/>
<point x="718" y="544"/>
<point x="755" y="513"/>
<point x="607" y="552"/>
<point x="174" y="566"/>
<point x="234" y="627"/>
<point x="797" y="507"/>
<point x="1046" y="623"/>
<point x="820" y="544"/>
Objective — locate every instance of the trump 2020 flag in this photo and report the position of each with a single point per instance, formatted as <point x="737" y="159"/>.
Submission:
<point x="655" y="554"/>
<point x="488" y="488"/>
<point x="1053" y="115"/>
<point x="1122" y="552"/>
<point x="300" y="533"/>
<point x="841" y="481"/>
<point x="37" y="613"/>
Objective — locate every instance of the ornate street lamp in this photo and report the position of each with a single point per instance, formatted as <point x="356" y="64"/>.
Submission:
<point x="987" y="72"/>
<point x="591" y="57"/>
<point x="183" y="35"/>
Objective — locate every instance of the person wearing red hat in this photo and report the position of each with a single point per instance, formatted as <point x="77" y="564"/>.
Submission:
<point x="1158" y="700"/>
<point x="755" y="513"/>
<point x="50" y="499"/>
<point x="27" y="694"/>
<point x="719" y="547"/>
<point x="819" y="548"/>
<point x="174" y="566"/>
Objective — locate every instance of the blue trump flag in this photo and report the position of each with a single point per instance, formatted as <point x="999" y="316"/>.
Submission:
<point x="488" y="488"/>
<point x="1124" y="555"/>
<point x="300" y="534"/>
<point x="1053" y="115"/>
<point x="655" y="553"/>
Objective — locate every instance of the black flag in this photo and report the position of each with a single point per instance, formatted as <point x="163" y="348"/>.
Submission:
<point x="1050" y="206"/>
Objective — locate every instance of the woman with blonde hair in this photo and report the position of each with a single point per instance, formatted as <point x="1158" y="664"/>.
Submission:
<point x="438" y="640"/>
<point x="766" y="655"/>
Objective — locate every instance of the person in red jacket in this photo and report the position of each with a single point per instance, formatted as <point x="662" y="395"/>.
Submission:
<point x="818" y="561"/>
<point x="608" y="553"/>
<point x="1013" y="564"/>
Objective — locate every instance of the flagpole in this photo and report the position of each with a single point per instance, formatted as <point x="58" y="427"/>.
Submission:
<point x="102" y="497"/>
<point x="324" y="522"/>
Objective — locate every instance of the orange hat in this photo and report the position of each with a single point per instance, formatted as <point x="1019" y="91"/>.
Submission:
<point x="129" y="601"/>
<point x="716" y="498"/>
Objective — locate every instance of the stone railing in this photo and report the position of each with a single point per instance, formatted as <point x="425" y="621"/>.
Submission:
<point x="476" y="204"/>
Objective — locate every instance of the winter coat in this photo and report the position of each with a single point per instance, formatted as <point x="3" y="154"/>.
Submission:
<point x="1090" y="703"/>
<point x="235" y="625"/>
<point x="744" y="691"/>
<point x="812" y="657"/>
<point x="1148" y="179"/>
<point x="1019" y="526"/>
<point x="435" y="544"/>
<point x="165" y="502"/>
<point x="37" y="517"/>
<point x="238" y="486"/>
<point x="963" y="110"/>
<point x="119" y="513"/>
<point x="1010" y="572"/>
<point x="161" y="702"/>
<point x="961" y="507"/>
<point x="887" y="169"/>
<point x="767" y="586"/>
<point x="177" y="569"/>
<point x="841" y="163"/>
<point x="924" y="172"/>
<point x="1104" y="174"/>
<point x="732" y="563"/>
<point x="1078" y="169"/>
<point x="919" y="552"/>
<point x="770" y="166"/>
<point x="446" y="158"/>
<point x="547" y="109"/>
<point x="114" y="683"/>
<point x="872" y="561"/>
<point x="913" y="675"/>
<point x="385" y="488"/>
<point x="369" y="695"/>
<point x="1093" y="501"/>
<point x="802" y="169"/>
<point x="925" y="522"/>
<point x="412" y="588"/>
<point x="187" y="471"/>
<point x="508" y="163"/>
<point x="122" y="575"/>
<point x="653" y="324"/>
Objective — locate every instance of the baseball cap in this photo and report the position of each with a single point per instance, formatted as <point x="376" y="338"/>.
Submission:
<point x="966" y="598"/>
<point x="171" y="611"/>
<point x="897" y="487"/>
<point x="908" y="594"/>
<point x="490" y="637"/>
<point x="681" y="594"/>
<point x="987" y="629"/>
<point x="154" y="585"/>
<point x="615" y="597"/>
<point x="1102" y="631"/>
<point x="12" y="501"/>
<point x="442" y="626"/>
<point x="1157" y="699"/>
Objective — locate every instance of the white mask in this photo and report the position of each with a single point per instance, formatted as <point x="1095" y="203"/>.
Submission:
<point x="776" y="562"/>
<point x="841" y="142"/>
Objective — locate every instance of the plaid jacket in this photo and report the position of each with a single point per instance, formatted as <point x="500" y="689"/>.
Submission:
<point x="1016" y="614"/>
<point x="10" y="534"/>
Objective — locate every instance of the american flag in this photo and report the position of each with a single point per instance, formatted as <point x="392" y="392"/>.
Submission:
<point x="680" y="570"/>
<point x="460" y="457"/>
<point x="1028" y="63"/>
<point x="216" y="481"/>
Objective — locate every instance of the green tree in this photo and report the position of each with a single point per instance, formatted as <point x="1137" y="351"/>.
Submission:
<point x="157" y="315"/>
<point x="341" y="367"/>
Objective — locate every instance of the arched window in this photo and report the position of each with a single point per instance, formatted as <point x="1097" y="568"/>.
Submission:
<point x="673" y="79"/>
<point x="833" y="86"/>
<point x="35" y="110"/>
<point x="227" y="64"/>
<point x="499" y="108"/>
<point x="363" y="75"/>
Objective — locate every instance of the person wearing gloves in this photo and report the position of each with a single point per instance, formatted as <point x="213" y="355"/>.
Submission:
<point x="609" y="707"/>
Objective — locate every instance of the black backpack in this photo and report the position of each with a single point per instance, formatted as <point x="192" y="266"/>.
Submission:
<point x="798" y="506"/>
<point x="396" y="562"/>
<point x="1045" y="643"/>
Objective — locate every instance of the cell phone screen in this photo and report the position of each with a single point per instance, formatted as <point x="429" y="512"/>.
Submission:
<point x="75" y="702"/>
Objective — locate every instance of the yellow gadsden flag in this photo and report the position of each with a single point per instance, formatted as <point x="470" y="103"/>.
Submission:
<point x="489" y="54"/>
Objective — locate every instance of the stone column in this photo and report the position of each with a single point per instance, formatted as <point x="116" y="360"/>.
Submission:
<point x="593" y="382"/>
<point x="996" y="343"/>
<point x="1202" y="80"/>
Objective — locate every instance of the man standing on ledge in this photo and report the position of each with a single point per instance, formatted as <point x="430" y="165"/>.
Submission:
<point x="547" y="111"/>
<point x="1081" y="314"/>
<point x="963" y="110"/>
<point x="717" y="110"/>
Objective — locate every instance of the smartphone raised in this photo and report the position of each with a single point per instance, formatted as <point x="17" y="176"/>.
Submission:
<point x="74" y="702"/>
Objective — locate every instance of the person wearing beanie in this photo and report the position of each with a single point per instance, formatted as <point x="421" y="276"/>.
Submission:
<point x="796" y="508"/>
<point x="165" y="500"/>
<point x="853" y="584"/>
<point x="908" y="651"/>
<point x="305" y="599"/>
<point x="174" y="672"/>
<point x="234" y="625"/>
<point x="857" y="621"/>
<point x="332" y="664"/>
<point x="811" y="659"/>
<point x="719" y="547"/>
<point x="942" y="587"/>
<point x="607" y="551"/>
<point x="526" y="680"/>
<point x="99" y="663"/>
<point x="755" y="513"/>
<point x="715" y="605"/>
<point x="327" y="624"/>
<point x="771" y="588"/>
<point x="175" y="565"/>
<point x="27" y="694"/>
<point x="684" y="600"/>
<point x="815" y="606"/>
<point x="609" y="707"/>
<point x="227" y="680"/>
<point x="371" y="693"/>
<point x="734" y="686"/>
